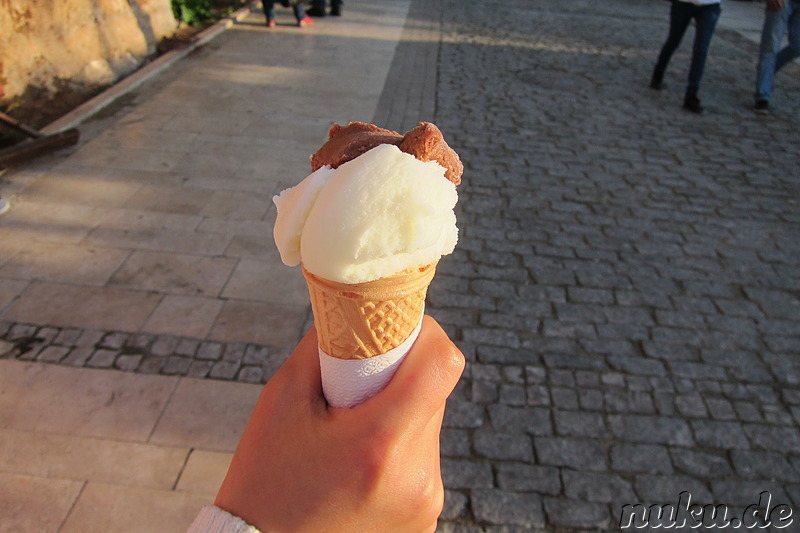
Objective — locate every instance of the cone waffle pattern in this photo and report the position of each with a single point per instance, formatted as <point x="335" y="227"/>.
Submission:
<point x="357" y="321"/>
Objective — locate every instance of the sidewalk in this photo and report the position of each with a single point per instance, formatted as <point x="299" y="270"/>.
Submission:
<point x="152" y="241"/>
<point x="625" y="286"/>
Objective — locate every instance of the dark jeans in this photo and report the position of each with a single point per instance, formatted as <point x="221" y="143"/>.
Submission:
<point x="269" y="10"/>
<point x="320" y="4"/>
<point x="772" y="54"/>
<point x="705" y="20"/>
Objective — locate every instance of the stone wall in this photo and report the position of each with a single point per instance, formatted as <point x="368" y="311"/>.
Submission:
<point x="45" y="44"/>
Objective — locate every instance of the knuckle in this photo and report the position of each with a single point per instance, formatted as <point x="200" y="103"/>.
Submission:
<point x="450" y="367"/>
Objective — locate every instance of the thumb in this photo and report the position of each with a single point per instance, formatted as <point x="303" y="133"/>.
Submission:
<point x="423" y="381"/>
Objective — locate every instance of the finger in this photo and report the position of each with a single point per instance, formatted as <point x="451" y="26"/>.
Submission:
<point x="299" y="376"/>
<point x="423" y="381"/>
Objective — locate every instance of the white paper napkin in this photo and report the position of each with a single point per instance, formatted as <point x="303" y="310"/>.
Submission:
<point x="348" y="382"/>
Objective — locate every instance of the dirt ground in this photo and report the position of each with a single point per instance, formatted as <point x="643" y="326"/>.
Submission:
<point x="38" y="107"/>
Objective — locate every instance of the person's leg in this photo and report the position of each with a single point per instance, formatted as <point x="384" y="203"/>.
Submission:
<point x="792" y="50"/>
<point x="680" y="14"/>
<point x="317" y="8"/>
<point x="336" y="7"/>
<point x="269" y="11"/>
<point x="771" y="39"/>
<point x="705" y="18"/>
<point x="302" y="16"/>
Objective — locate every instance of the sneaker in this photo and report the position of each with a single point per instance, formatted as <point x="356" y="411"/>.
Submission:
<point x="5" y="205"/>
<point x="271" y="24"/>
<point x="315" y="12"/>
<point x="692" y="103"/>
<point x="306" y="21"/>
<point x="761" y="106"/>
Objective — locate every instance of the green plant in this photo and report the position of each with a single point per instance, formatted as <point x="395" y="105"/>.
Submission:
<point x="192" y="12"/>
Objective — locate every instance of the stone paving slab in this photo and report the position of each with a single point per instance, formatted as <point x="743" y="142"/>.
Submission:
<point x="102" y="460"/>
<point x="90" y="450"/>
<point x="103" y="507"/>
<point x="36" y="503"/>
<point x="625" y="287"/>
<point x="169" y="191"/>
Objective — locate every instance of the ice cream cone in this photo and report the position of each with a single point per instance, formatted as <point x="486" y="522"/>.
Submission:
<point x="362" y="320"/>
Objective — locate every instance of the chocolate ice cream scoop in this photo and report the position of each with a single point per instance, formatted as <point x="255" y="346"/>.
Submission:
<point x="425" y="142"/>
<point x="348" y="142"/>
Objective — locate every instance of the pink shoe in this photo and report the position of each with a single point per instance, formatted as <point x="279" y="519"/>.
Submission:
<point x="271" y="24"/>
<point x="306" y="21"/>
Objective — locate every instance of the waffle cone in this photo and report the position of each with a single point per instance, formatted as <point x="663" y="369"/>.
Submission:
<point x="361" y="320"/>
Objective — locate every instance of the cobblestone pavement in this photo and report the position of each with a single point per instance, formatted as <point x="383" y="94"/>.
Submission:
<point x="626" y="286"/>
<point x="627" y="280"/>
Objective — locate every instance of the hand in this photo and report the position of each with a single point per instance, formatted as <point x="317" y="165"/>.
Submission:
<point x="303" y="466"/>
<point x="774" y="5"/>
